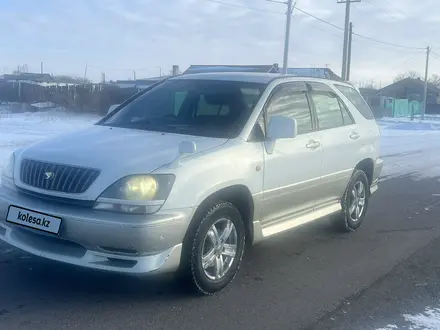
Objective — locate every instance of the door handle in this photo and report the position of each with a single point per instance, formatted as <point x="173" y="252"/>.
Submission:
<point x="355" y="135"/>
<point x="313" y="144"/>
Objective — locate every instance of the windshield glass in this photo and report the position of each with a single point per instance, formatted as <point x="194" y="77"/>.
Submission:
<point x="212" y="108"/>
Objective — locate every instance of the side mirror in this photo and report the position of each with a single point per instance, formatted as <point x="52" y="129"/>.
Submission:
<point x="187" y="147"/>
<point x="112" y="108"/>
<point x="281" y="127"/>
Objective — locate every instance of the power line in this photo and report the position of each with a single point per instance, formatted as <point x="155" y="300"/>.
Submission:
<point x="366" y="11"/>
<point x="397" y="65"/>
<point x="395" y="8"/>
<point x="316" y="18"/>
<point x="266" y="11"/>
<point x="357" y="34"/>
<point x="319" y="19"/>
<point x="245" y="7"/>
<point x="385" y="12"/>
<point x="392" y="7"/>
<point x="435" y="54"/>
<point x="393" y="50"/>
<point x="385" y="42"/>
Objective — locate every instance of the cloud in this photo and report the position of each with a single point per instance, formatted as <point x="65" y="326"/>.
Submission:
<point x="119" y="36"/>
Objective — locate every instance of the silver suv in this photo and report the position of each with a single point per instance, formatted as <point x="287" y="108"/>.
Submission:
<point x="183" y="174"/>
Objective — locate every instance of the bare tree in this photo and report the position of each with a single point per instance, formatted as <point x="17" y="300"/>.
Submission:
<point x="370" y="83"/>
<point x="435" y="80"/>
<point x="24" y="68"/>
<point x="409" y="74"/>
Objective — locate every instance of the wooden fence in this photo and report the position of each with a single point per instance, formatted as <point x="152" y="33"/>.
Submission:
<point x="81" y="98"/>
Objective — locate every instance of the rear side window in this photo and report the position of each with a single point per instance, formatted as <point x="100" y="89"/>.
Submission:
<point x="330" y="112"/>
<point x="354" y="97"/>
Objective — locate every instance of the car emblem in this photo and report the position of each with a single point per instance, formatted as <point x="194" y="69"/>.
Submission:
<point x="48" y="175"/>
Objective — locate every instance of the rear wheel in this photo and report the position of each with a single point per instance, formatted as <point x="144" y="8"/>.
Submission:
<point x="354" y="202"/>
<point x="217" y="248"/>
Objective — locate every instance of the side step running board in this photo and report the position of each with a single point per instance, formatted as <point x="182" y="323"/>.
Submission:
<point x="282" y="226"/>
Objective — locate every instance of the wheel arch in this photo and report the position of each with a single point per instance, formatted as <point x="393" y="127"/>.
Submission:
<point x="240" y="196"/>
<point x="367" y="166"/>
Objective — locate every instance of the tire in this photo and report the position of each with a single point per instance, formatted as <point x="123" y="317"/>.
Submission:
<point x="349" y="220"/>
<point x="205" y="280"/>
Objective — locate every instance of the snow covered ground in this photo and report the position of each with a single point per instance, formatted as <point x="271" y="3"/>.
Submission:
<point x="429" y="319"/>
<point x="402" y="145"/>
<point x="410" y="148"/>
<point x="21" y="129"/>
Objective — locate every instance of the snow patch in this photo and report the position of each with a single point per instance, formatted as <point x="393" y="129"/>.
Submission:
<point x="22" y="129"/>
<point x="389" y="327"/>
<point x="409" y="151"/>
<point x="43" y="105"/>
<point x="428" y="320"/>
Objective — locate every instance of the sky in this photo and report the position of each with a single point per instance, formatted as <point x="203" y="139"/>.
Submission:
<point x="118" y="37"/>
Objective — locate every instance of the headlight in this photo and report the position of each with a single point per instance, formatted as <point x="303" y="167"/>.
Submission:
<point x="136" y="194"/>
<point x="8" y="171"/>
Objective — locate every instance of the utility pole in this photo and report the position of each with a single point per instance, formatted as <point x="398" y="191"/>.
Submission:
<point x="290" y="8"/>
<point x="134" y="75"/>
<point x="85" y="74"/>
<point x="41" y="67"/>
<point x="350" y="39"/>
<point x="287" y="37"/>
<point x="425" y="91"/>
<point x="346" y="36"/>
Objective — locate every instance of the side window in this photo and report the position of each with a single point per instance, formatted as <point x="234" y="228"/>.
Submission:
<point x="258" y="133"/>
<point x="288" y="101"/>
<point x="328" y="110"/>
<point x="347" y="118"/>
<point x="261" y="122"/>
<point x="354" y="97"/>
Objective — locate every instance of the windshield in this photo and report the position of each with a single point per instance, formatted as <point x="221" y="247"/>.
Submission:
<point x="199" y="107"/>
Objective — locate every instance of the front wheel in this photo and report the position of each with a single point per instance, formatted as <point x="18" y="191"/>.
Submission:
<point x="354" y="202"/>
<point x="217" y="248"/>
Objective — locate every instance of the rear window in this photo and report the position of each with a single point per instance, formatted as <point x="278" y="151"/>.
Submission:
<point x="354" y="97"/>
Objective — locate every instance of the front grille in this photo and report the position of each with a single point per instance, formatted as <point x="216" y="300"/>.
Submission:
<point x="57" y="200"/>
<point x="57" y="177"/>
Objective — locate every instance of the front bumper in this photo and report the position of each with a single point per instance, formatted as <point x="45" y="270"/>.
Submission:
<point x="134" y="244"/>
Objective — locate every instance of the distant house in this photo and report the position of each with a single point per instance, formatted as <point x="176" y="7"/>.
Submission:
<point x="139" y="83"/>
<point x="413" y="90"/>
<point x="232" y="68"/>
<point x="323" y="73"/>
<point x="35" y="78"/>
<point x="371" y="95"/>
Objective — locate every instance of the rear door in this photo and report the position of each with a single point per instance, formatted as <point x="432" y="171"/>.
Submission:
<point x="340" y="141"/>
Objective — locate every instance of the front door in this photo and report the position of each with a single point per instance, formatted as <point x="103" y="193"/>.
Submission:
<point x="292" y="171"/>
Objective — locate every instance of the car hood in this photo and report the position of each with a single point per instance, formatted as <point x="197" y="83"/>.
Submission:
<point x="116" y="151"/>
